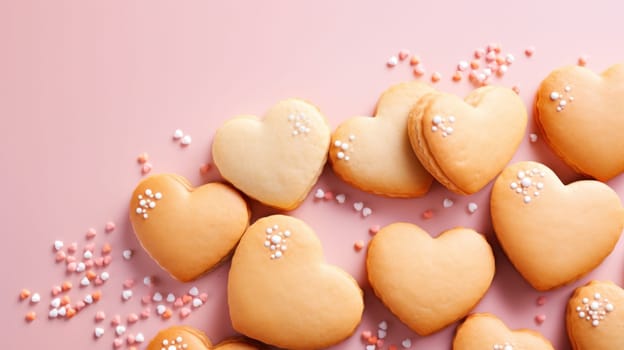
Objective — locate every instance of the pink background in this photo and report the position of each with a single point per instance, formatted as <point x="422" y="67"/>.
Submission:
<point x="86" y="86"/>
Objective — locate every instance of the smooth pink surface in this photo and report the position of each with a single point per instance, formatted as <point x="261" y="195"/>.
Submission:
<point x="86" y="86"/>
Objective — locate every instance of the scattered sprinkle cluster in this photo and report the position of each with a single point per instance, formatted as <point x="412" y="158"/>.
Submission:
<point x="376" y="341"/>
<point x="562" y="98"/>
<point x="341" y="198"/>
<point x="300" y="123"/>
<point x="185" y="140"/>
<point x="526" y="184"/>
<point x="505" y="346"/>
<point x="442" y="123"/>
<point x="146" y="202"/>
<point x="276" y="240"/>
<point x="343" y="147"/>
<point x="174" y="344"/>
<point x="594" y="310"/>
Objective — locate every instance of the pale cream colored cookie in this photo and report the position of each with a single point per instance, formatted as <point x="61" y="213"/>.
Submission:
<point x="282" y="292"/>
<point x="487" y="332"/>
<point x="180" y="338"/>
<point x="553" y="233"/>
<point x="464" y="144"/>
<point x="429" y="283"/>
<point x="374" y="154"/>
<point x="581" y="115"/>
<point x="595" y="317"/>
<point x="276" y="160"/>
<point x="187" y="230"/>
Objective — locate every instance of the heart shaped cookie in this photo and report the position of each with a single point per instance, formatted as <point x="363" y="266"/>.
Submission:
<point x="276" y="160"/>
<point x="486" y="331"/>
<point x="281" y="291"/>
<point x="582" y="118"/>
<point x="595" y="317"/>
<point x="186" y="230"/>
<point x="464" y="144"/>
<point x="189" y="338"/>
<point x="553" y="233"/>
<point x="364" y="149"/>
<point x="429" y="283"/>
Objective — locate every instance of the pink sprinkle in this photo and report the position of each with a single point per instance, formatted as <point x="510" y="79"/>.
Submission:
<point x="98" y="281"/>
<point x="90" y="247"/>
<point x="329" y="195"/>
<point x="374" y="229"/>
<point x="380" y="343"/>
<point x="490" y="57"/>
<point x="529" y="51"/>
<point x="100" y="316"/>
<point x="403" y="54"/>
<point x="204" y="169"/>
<point x="132" y="318"/>
<point x="539" y="319"/>
<point x="541" y="300"/>
<point x="146" y="299"/>
<point x="110" y="227"/>
<point x="184" y="312"/>
<point x="516" y="89"/>
<point x="415" y="60"/>
<point x="582" y="60"/>
<point x="145" y="313"/>
<point x="60" y="256"/>
<point x="72" y="248"/>
<point x="99" y="261"/>
<point x="427" y="214"/>
<point x="80" y="305"/>
<point x="479" y="53"/>
<point x="91" y="233"/>
<point x="179" y="303"/>
<point x="366" y="335"/>
<point x="392" y="61"/>
<point x="116" y="321"/>
<point x="146" y="168"/>
<point x="88" y="263"/>
<point x="142" y="158"/>
<point x="419" y="70"/>
<point x="56" y="290"/>
<point x="130" y="339"/>
<point x="107" y="260"/>
<point x="71" y="267"/>
<point x="203" y="297"/>
<point x="358" y="245"/>
<point x="494" y="47"/>
<point x="117" y="343"/>
<point x="129" y="283"/>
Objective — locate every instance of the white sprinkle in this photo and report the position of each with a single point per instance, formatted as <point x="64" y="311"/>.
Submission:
<point x="437" y="120"/>
<point x="366" y="211"/>
<point x="520" y="174"/>
<point x="287" y="233"/>
<point x="434" y="128"/>
<point x="358" y="206"/>
<point x="87" y="255"/>
<point x="597" y="296"/>
<point x="568" y="88"/>
<point x="35" y="298"/>
<point x="88" y="299"/>
<point x="347" y="158"/>
<point x="406" y="343"/>
<point x="139" y="338"/>
<point x="487" y="72"/>
<point x="340" y="198"/>
<point x="447" y="203"/>
<point x="85" y="281"/>
<point x="80" y="267"/>
<point x="186" y="140"/>
<point x="319" y="194"/>
<point x="526" y="182"/>
<point x="533" y="137"/>
<point x="276" y="239"/>
<point x="120" y="330"/>
<point x="562" y="103"/>
<point x="171" y="298"/>
<point x="278" y="254"/>
<point x="340" y="155"/>
<point x="527" y="199"/>
<point x="152" y="205"/>
<point x="62" y="311"/>
<point x="594" y="305"/>
<point x="585" y="300"/>
<point x="160" y="309"/>
<point x="451" y="119"/>
<point x="462" y="65"/>
<point x="53" y="313"/>
<point x="58" y="245"/>
<point x="345" y="146"/>
<point x="193" y="291"/>
<point x="157" y="297"/>
<point x="370" y="347"/>
<point x="472" y="207"/>
<point x="381" y="334"/>
<point x="147" y="280"/>
<point x="351" y="137"/>
<point x="595" y="323"/>
<point x="337" y="143"/>
<point x="513" y="185"/>
<point x="104" y="276"/>
<point x="126" y="294"/>
<point x="197" y="302"/>
<point x="98" y="332"/>
<point x="177" y="134"/>
<point x="158" y="195"/>
<point x="581" y="314"/>
<point x="510" y="58"/>
<point x="139" y="210"/>
<point x="554" y="95"/>
<point x="609" y="307"/>
<point x="392" y="61"/>
<point x="127" y="254"/>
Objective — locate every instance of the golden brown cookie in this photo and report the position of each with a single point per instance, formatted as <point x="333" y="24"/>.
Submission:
<point x="465" y="143"/>
<point x="282" y="292"/>
<point x="553" y="233"/>
<point x="187" y="230"/>
<point x="180" y="338"/>
<point x="429" y="283"/>
<point x="486" y="331"/>
<point x="595" y="317"/>
<point x="276" y="160"/>
<point x="581" y="116"/>
<point x="374" y="154"/>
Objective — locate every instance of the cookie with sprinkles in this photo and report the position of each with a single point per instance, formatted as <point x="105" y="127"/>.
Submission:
<point x="180" y="338"/>
<point x="486" y="331"/>
<point x="282" y="292"/>
<point x="553" y="233"/>
<point x="595" y="316"/>
<point x="364" y="149"/>
<point x="278" y="159"/>
<point x="465" y="143"/>
<point x="580" y="114"/>
<point x="187" y="230"/>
